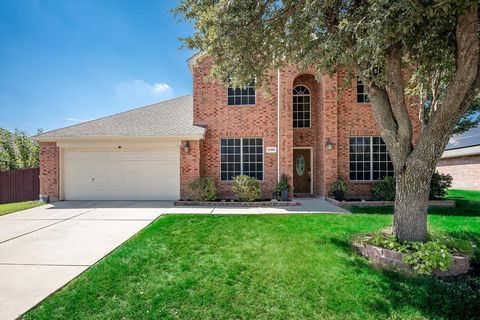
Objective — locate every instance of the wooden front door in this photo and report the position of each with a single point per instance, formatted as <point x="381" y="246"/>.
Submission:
<point x="302" y="171"/>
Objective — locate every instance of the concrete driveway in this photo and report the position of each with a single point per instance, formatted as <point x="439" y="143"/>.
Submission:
<point x="43" y="248"/>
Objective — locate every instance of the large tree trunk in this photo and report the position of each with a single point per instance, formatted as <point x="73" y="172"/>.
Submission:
<point x="411" y="205"/>
<point x="414" y="164"/>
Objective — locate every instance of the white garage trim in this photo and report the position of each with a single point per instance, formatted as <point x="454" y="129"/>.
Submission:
<point x="120" y="170"/>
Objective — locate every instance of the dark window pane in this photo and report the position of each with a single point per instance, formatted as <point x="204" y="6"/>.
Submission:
<point x="352" y="176"/>
<point x="251" y="100"/>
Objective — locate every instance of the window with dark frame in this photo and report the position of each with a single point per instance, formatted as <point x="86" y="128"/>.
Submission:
<point x="241" y="96"/>
<point x="362" y="96"/>
<point x="369" y="159"/>
<point x="301" y="107"/>
<point x="241" y="156"/>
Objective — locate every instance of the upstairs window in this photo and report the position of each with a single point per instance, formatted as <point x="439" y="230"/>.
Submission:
<point x="362" y="96"/>
<point x="241" y="96"/>
<point x="301" y="107"/>
<point x="369" y="159"/>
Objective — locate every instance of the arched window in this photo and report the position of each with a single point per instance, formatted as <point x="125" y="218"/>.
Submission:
<point x="301" y="107"/>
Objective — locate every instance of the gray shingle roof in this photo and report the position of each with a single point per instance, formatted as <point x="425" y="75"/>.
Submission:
<point x="467" y="139"/>
<point x="168" y="118"/>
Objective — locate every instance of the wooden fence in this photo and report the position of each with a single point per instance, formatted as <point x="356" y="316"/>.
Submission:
<point x="19" y="185"/>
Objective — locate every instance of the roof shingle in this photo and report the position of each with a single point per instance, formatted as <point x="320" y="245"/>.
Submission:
<point x="165" y="119"/>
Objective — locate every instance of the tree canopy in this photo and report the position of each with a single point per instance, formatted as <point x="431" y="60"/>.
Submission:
<point x="428" y="50"/>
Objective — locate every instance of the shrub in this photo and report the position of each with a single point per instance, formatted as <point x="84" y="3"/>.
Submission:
<point x="384" y="190"/>
<point x="203" y="189"/>
<point x="339" y="184"/>
<point x="246" y="188"/>
<point x="282" y="185"/>
<point x="423" y="257"/>
<point x="439" y="185"/>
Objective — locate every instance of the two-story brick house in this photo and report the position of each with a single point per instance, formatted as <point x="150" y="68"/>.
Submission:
<point x="310" y="128"/>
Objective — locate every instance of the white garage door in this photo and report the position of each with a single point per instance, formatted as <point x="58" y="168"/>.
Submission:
<point x="122" y="175"/>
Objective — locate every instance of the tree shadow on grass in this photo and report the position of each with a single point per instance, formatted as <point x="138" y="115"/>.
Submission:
<point x="465" y="208"/>
<point x="445" y="298"/>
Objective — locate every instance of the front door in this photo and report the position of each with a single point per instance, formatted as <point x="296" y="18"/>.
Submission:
<point x="302" y="171"/>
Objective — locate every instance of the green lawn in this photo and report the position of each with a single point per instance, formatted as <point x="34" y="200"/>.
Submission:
<point x="463" y="194"/>
<point x="18" y="206"/>
<point x="261" y="267"/>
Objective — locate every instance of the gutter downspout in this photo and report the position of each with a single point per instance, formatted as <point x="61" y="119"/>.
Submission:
<point x="278" y="125"/>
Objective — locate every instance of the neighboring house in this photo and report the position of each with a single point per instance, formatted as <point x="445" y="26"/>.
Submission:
<point x="312" y="130"/>
<point x="461" y="160"/>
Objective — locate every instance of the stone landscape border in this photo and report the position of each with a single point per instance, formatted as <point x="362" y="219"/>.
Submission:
<point x="228" y="203"/>
<point x="394" y="259"/>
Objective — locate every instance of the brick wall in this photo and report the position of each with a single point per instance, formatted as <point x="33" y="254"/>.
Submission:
<point x="49" y="169"/>
<point x="464" y="170"/>
<point x="190" y="165"/>
<point x="223" y="121"/>
<point x="335" y="115"/>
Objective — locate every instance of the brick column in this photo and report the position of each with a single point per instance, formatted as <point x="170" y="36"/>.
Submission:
<point x="49" y="170"/>
<point x="329" y="127"/>
<point x="287" y="75"/>
<point x="191" y="165"/>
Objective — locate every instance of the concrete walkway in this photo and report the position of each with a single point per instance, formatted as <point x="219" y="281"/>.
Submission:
<point x="43" y="248"/>
<point x="307" y="206"/>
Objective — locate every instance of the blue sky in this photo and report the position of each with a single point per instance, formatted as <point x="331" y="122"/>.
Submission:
<point x="62" y="62"/>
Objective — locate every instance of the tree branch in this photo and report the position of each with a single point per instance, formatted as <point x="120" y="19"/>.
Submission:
<point x="460" y="92"/>
<point x="396" y="85"/>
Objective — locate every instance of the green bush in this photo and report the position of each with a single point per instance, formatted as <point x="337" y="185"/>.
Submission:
<point x="423" y="257"/>
<point x="246" y="188"/>
<point x="281" y="185"/>
<point x="203" y="189"/>
<point x="384" y="190"/>
<point x="339" y="184"/>
<point x="439" y="185"/>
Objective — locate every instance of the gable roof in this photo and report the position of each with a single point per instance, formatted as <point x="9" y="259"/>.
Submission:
<point x="171" y="118"/>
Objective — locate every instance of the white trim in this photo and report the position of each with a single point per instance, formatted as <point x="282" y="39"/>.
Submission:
<point x="61" y="192"/>
<point x="135" y="138"/>
<point x="309" y="106"/>
<point x="241" y="156"/>
<point x="311" y="167"/>
<point x="468" y="151"/>
<point x="192" y="61"/>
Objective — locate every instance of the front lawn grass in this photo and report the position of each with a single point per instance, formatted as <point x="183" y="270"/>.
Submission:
<point x="18" y="206"/>
<point x="261" y="267"/>
<point x="458" y="194"/>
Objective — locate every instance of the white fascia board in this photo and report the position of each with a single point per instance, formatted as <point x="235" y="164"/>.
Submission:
<point x="469" y="151"/>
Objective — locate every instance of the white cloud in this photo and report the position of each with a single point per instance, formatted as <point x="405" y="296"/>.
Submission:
<point x="139" y="92"/>
<point x="161" y="87"/>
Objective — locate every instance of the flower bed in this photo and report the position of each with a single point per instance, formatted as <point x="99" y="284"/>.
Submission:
<point x="374" y="203"/>
<point x="229" y="203"/>
<point x="389" y="258"/>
